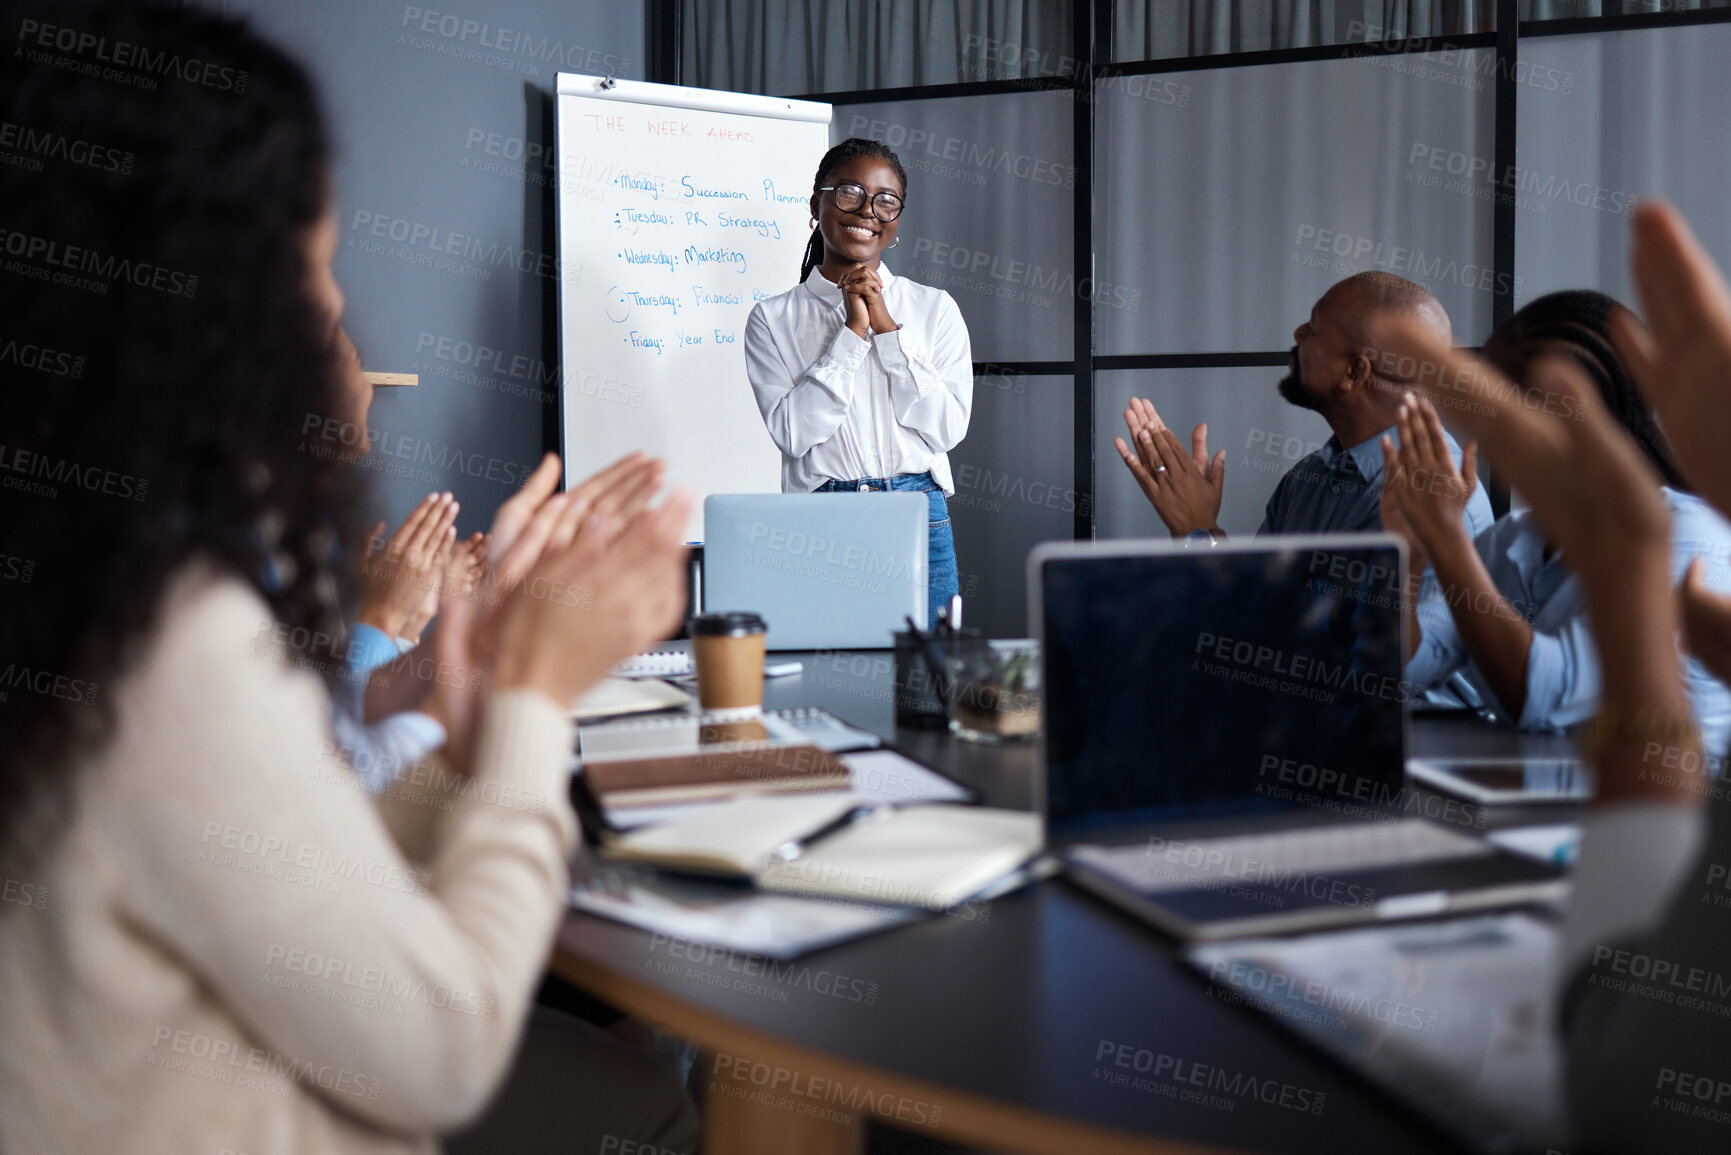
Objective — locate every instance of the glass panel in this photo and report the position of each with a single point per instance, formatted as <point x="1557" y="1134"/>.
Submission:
<point x="789" y="47"/>
<point x="1232" y="198"/>
<point x="1644" y="120"/>
<point x="988" y="219"/>
<point x="1015" y="487"/>
<point x="1161" y="29"/>
<point x="1571" y="9"/>
<point x="1263" y="437"/>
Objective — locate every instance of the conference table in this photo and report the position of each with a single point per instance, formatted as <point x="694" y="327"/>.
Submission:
<point x="1042" y="1021"/>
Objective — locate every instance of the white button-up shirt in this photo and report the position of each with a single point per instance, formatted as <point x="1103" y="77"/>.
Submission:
<point x="841" y="408"/>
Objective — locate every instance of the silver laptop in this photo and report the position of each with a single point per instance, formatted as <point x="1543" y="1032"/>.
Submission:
<point x="1225" y="739"/>
<point x="826" y="570"/>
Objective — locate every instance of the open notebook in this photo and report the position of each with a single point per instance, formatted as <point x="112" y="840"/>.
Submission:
<point x="614" y="696"/>
<point x="933" y="856"/>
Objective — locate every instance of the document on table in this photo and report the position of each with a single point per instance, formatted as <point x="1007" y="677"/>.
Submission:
<point x="731" y="915"/>
<point x="1455" y="1017"/>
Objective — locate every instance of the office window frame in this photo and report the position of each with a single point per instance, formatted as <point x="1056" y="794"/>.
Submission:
<point x="1092" y="23"/>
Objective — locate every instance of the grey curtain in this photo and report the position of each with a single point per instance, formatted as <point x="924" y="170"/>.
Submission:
<point x="787" y="47"/>
<point x="1161" y="29"/>
<point x="798" y="46"/>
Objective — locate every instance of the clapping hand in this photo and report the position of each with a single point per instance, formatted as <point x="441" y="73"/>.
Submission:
<point x="1184" y="488"/>
<point x="1420" y="478"/>
<point x="462" y="574"/>
<point x="397" y="580"/>
<point x="1683" y="364"/>
<point x="532" y="529"/>
<point x="621" y="490"/>
<point x="632" y="577"/>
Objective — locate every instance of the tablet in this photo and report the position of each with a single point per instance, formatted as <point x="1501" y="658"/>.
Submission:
<point x="1490" y="781"/>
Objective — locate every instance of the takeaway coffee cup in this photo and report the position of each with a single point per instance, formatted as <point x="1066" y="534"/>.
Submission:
<point x="728" y="649"/>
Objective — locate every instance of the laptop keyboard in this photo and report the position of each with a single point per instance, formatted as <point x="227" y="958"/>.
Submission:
<point x="1172" y="864"/>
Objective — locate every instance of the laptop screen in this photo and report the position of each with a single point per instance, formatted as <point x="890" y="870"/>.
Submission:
<point x="1255" y="677"/>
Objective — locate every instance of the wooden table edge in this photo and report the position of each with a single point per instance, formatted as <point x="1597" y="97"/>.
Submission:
<point x="967" y="1117"/>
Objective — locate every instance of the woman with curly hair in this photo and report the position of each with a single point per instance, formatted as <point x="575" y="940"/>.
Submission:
<point x="228" y="943"/>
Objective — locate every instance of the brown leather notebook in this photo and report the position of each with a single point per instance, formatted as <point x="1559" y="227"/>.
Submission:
<point x="708" y="776"/>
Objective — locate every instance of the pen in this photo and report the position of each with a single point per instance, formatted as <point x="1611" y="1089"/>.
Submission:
<point x="788" y="851"/>
<point x="934" y="659"/>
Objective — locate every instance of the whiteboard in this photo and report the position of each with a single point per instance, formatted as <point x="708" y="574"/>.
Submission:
<point x="679" y="209"/>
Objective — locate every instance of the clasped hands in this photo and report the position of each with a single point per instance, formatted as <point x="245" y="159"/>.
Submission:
<point x="862" y="292"/>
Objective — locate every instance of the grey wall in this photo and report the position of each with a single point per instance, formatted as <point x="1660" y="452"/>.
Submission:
<point x="441" y="112"/>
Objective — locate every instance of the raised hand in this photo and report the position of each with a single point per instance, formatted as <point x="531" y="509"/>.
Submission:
<point x="465" y="644"/>
<point x="1683" y="363"/>
<point x="468" y="562"/>
<point x="1423" y="499"/>
<point x="1185" y="488"/>
<point x="472" y="641"/>
<point x="462" y="574"/>
<point x="394" y="582"/>
<point x="620" y="492"/>
<point x="521" y="506"/>
<point x="622" y="488"/>
<point x="631" y="577"/>
<point x="1141" y="415"/>
<point x="1431" y="493"/>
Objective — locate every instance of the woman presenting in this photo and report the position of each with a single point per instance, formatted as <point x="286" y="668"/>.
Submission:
<point x="865" y="379"/>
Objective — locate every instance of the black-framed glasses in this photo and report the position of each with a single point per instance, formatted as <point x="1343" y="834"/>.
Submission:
<point x="886" y="207"/>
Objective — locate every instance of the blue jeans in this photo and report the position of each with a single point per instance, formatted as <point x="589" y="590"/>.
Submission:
<point x="941" y="577"/>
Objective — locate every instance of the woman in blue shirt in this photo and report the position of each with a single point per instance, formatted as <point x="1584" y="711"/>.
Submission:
<point x="1504" y="610"/>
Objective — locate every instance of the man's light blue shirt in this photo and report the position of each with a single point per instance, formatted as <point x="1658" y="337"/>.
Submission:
<point x="1337" y="490"/>
<point x="1563" y="682"/>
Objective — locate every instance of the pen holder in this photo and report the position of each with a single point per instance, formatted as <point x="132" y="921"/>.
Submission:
<point x="918" y="702"/>
<point x="995" y="690"/>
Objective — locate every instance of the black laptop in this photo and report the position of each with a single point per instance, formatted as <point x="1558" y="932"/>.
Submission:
<point x="1225" y="739"/>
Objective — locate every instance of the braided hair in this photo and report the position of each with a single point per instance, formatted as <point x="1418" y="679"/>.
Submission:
<point x="853" y="146"/>
<point x="1579" y="321"/>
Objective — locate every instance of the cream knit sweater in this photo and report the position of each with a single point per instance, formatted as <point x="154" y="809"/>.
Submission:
<point x="234" y="948"/>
